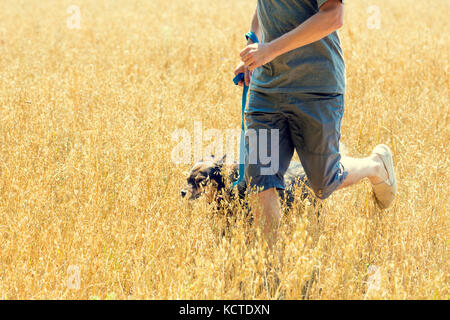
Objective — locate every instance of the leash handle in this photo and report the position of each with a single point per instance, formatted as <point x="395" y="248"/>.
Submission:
<point x="252" y="36"/>
<point x="240" y="77"/>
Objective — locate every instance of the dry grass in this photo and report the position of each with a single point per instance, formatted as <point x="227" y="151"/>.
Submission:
<point x="86" y="118"/>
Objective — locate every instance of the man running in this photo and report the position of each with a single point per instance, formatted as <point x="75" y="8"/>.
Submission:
<point x="297" y="88"/>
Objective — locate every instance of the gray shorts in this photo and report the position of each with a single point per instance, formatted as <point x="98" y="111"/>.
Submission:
<point x="278" y="123"/>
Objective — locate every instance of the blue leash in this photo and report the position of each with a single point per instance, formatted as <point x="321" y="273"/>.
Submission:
<point x="240" y="77"/>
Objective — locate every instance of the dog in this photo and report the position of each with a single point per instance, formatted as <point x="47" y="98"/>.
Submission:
<point x="213" y="178"/>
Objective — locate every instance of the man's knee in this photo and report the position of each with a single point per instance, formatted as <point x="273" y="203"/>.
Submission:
<point x="324" y="185"/>
<point x="270" y="203"/>
<point x="322" y="192"/>
<point x="267" y="194"/>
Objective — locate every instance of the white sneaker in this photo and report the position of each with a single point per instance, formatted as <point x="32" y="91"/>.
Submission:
<point x="385" y="191"/>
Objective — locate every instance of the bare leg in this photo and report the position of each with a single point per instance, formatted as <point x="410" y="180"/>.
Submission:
<point x="268" y="214"/>
<point x="371" y="167"/>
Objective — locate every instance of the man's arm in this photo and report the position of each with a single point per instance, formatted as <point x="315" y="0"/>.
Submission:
<point x="329" y="18"/>
<point x="254" y="27"/>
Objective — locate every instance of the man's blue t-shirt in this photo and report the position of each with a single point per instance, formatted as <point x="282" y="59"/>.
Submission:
<point x="315" y="68"/>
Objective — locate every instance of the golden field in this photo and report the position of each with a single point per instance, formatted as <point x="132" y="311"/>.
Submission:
<point x="87" y="180"/>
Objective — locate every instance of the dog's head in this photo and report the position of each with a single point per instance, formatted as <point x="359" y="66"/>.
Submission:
<point x="205" y="178"/>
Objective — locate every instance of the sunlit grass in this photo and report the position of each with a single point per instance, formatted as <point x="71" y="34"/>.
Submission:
<point x="86" y="177"/>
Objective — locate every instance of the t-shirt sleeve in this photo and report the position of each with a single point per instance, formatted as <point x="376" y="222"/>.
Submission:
<point x="321" y="2"/>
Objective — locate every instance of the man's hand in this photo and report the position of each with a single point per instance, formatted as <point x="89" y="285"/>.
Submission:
<point x="257" y="54"/>
<point x="241" y="68"/>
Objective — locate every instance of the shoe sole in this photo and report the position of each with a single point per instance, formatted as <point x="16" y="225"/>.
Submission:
<point x="385" y="193"/>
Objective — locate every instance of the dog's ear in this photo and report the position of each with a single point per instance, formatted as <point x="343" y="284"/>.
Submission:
<point x="221" y="161"/>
